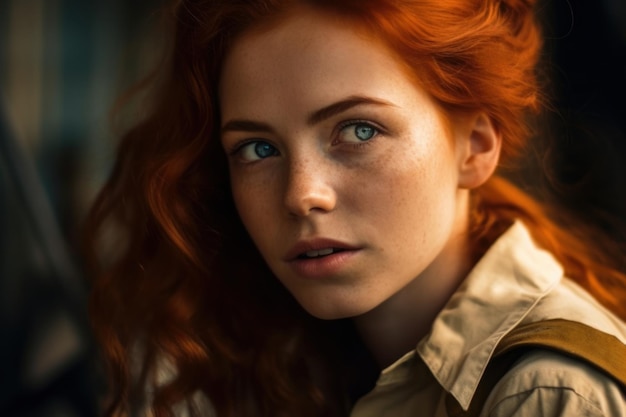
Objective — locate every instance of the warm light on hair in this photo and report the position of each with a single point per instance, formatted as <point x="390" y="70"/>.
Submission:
<point x="180" y="290"/>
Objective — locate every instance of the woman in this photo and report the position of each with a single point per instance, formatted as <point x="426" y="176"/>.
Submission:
<point x="312" y="224"/>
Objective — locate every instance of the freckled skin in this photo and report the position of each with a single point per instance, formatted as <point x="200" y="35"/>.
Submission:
<point x="396" y="197"/>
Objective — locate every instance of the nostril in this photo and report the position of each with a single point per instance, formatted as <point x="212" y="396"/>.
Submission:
<point x="302" y="201"/>
<point x="309" y="187"/>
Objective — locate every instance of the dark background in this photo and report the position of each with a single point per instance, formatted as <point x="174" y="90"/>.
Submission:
<point x="62" y="65"/>
<point x="586" y="61"/>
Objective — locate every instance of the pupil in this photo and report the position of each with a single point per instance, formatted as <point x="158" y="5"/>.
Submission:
<point x="263" y="150"/>
<point x="364" y="132"/>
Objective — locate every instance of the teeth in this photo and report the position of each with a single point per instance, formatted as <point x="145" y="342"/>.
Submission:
<point x="321" y="252"/>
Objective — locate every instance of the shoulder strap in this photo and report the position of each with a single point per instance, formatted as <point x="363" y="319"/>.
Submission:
<point x="570" y="338"/>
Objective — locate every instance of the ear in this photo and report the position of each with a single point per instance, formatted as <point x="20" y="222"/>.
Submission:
<point x="479" y="145"/>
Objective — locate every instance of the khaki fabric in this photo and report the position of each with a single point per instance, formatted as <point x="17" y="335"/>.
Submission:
<point x="569" y="338"/>
<point x="515" y="283"/>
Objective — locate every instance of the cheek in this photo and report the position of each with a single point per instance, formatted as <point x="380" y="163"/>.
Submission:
<point x="410" y="192"/>
<point x="246" y="202"/>
<point x="255" y="204"/>
<point x="403" y="172"/>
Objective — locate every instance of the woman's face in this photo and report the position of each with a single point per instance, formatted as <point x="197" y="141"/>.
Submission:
<point x="343" y="171"/>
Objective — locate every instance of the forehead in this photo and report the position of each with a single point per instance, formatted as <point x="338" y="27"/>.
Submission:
<point x="309" y="56"/>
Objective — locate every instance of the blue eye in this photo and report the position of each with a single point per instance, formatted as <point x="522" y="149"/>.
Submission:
<point x="357" y="132"/>
<point x="253" y="151"/>
<point x="364" y="132"/>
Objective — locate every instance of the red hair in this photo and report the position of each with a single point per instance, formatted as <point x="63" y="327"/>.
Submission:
<point x="178" y="289"/>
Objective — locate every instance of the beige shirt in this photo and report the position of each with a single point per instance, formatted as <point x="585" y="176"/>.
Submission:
<point x="515" y="282"/>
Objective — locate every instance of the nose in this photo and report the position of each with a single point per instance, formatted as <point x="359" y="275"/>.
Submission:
<point x="309" y="188"/>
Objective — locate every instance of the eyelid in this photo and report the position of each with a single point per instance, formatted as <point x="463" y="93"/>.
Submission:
<point x="236" y="151"/>
<point x="235" y="148"/>
<point x="238" y="144"/>
<point x="353" y="122"/>
<point x="347" y="123"/>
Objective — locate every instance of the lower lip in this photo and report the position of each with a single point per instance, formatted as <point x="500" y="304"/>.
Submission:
<point x="323" y="266"/>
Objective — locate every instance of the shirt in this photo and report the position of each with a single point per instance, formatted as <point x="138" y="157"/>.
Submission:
<point x="515" y="282"/>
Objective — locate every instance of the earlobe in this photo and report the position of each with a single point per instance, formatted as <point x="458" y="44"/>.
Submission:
<point x="479" y="151"/>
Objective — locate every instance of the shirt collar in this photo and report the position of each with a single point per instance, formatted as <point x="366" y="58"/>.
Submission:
<point x="501" y="289"/>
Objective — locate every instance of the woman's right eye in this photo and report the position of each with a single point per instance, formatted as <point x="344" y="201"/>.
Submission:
<point x="256" y="150"/>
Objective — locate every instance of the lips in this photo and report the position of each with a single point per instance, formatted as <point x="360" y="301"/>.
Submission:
<point x="322" y="259"/>
<point x="318" y="253"/>
<point x="316" y="248"/>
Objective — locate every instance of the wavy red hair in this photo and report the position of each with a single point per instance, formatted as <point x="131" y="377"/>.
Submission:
<point x="177" y="289"/>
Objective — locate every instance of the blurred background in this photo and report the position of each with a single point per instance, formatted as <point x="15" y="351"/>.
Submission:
<point x="63" y="63"/>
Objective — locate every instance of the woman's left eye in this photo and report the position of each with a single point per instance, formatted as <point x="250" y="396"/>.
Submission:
<point x="358" y="132"/>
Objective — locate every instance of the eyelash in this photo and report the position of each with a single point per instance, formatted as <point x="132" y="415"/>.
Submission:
<point x="348" y="123"/>
<point x="237" y="148"/>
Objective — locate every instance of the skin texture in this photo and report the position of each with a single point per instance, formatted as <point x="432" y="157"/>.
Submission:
<point x="300" y="171"/>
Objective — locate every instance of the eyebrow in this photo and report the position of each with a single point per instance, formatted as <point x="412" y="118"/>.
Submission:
<point x="314" y="118"/>
<point x="342" y="106"/>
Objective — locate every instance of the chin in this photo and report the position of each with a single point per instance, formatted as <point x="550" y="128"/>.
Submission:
<point x="334" y="309"/>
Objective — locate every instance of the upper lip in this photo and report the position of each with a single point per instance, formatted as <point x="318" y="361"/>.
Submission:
<point x="303" y="246"/>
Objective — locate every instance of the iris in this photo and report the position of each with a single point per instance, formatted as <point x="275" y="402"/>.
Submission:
<point x="364" y="132"/>
<point x="264" y="150"/>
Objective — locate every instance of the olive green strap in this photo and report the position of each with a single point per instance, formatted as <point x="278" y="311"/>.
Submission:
<point x="570" y="338"/>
